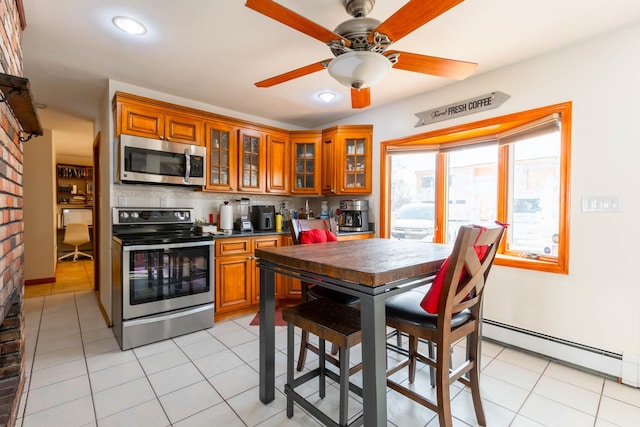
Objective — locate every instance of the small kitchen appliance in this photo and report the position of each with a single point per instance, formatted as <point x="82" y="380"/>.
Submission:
<point x="243" y="223"/>
<point x="354" y="215"/>
<point x="263" y="218"/>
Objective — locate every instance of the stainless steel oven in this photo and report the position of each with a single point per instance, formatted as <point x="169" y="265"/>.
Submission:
<point x="160" y="162"/>
<point x="163" y="276"/>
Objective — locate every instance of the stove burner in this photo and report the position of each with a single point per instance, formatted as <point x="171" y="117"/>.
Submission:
<point x="152" y="226"/>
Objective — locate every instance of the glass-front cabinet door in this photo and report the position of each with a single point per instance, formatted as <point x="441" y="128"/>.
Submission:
<point x="355" y="174"/>
<point x="305" y="178"/>
<point x="252" y="170"/>
<point x="221" y="146"/>
<point x="346" y="159"/>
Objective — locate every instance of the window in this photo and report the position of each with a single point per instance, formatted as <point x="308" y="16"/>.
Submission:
<point x="513" y="169"/>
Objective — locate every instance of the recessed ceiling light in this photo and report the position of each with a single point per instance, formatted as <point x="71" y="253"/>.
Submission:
<point x="129" y="25"/>
<point x="327" y="96"/>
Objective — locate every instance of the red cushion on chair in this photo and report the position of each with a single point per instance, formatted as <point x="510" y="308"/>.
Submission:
<point x="316" y="236"/>
<point x="431" y="300"/>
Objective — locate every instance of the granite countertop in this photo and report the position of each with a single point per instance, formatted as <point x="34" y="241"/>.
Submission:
<point x="267" y="233"/>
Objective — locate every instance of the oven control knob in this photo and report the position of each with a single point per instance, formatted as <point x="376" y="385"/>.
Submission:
<point x="124" y="215"/>
<point x="134" y="215"/>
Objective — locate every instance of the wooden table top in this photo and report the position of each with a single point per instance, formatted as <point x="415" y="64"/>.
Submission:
<point x="370" y="262"/>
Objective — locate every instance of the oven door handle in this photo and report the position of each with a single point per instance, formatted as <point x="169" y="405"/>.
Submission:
<point x="166" y="246"/>
<point x="187" y="165"/>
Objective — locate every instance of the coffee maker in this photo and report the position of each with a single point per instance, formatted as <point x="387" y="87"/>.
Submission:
<point x="354" y="216"/>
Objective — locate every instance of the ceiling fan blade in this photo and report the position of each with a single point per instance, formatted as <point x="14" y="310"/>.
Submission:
<point x="287" y="17"/>
<point x="441" y="67"/>
<point x="360" y="98"/>
<point x="299" y="72"/>
<point x="411" y="16"/>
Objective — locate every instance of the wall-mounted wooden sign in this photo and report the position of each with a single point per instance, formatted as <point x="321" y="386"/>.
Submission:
<point x="462" y="108"/>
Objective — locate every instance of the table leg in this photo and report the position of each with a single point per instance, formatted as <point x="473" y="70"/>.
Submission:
<point x="374" y="360"/>
<point x="267" y="335"/>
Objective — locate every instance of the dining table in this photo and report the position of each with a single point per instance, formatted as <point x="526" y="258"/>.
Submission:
<point x="372" y="269"/>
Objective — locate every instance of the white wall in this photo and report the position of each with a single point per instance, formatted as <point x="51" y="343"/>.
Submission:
<point x="596" y="304"/>
<point x="39" y="208"/>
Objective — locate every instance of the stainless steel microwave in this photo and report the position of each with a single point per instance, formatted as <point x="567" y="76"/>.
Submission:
<point x="160" y="162"/>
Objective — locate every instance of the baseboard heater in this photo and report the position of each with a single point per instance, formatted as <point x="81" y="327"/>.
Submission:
<point x="569" y="352"/>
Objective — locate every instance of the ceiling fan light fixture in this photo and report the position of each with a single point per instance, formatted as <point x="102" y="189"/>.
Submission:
<point x="359" y="69"/>
<point x="129" y="25"/>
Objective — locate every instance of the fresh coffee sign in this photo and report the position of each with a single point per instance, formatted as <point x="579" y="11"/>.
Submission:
<point x="462" y="108"/>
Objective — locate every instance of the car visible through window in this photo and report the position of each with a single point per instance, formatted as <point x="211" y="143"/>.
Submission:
<point x="414" y="221"/>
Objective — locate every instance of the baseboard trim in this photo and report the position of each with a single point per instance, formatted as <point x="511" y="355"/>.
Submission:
<point x="40" y="281"/>
<point x="580" y="355"/>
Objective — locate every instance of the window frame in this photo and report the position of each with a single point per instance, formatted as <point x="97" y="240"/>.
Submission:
<point x="479" y="130"/>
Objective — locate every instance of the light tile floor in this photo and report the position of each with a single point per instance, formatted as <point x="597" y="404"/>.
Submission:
<point x="77" y="376"/>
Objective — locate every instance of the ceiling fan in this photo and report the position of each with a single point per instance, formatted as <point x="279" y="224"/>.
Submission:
<point x="360" y="45"/>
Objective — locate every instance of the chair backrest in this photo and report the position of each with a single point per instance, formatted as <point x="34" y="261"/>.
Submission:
<point x="298" y="225"/>
<point x="469" y="265"/>
<point x="76" y="233"/>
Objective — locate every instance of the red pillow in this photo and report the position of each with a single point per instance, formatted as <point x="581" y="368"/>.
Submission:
<point x="316" y="236"/>
<point x="431" y="300"/>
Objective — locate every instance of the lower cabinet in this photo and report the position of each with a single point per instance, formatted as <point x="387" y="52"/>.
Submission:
<point x="291" y="288"/>
<point x="237" y="273"/>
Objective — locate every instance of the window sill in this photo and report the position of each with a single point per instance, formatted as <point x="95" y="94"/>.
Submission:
<point x="549" y="266"/>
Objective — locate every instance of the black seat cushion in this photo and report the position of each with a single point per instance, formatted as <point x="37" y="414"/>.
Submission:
<point x="405" y="307"/>
<point x="317" y="292"/>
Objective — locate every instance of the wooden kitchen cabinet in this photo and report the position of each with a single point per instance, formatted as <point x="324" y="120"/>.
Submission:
<point x="306" y="162"/>
<point x="262" y="243"/>
<point x="278" y="165"/>
<point x="346" y="160"/>
<point x="252" y="161"/>
<point x="140" y="117"/>
<point x="291" y="288"/>
<point x="222" y="153"/>
<point x="234" y="271"/>
<point x="237" y="273"/>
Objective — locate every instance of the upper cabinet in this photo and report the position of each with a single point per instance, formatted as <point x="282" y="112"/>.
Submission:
<point x="138" y="118"/>
<point x="252" y="161"/>
<point x="346" y="160"/>
<point x="246" y="157"/>
<point x="222" y="152"/>
<point x="305" y="162"/>
<point x="278" y="165"/>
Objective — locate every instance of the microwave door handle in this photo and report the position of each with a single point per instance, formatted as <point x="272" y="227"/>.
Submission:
<point x="187" y="165"/>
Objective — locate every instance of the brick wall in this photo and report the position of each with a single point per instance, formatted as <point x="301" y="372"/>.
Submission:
<point x="12" y="356"/>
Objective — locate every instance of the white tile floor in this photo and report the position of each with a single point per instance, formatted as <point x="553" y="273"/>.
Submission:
<point x="77" y="376"/>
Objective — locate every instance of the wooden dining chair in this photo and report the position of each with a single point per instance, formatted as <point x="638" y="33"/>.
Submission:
<point x="454" y="302"/>
<point x="311" y="231"/>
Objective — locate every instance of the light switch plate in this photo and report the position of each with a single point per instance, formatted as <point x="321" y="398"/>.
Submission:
<point x="602" y="204"/>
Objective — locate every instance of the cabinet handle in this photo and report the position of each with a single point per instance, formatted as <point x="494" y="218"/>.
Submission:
<point x="168" y="139"/>
<point x="161" y="137"/>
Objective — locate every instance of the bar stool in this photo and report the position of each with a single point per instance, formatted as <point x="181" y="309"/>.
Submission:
<point x="338" y="324"/>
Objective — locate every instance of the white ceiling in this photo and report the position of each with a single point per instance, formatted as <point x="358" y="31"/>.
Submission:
<point x="215" y="50"/>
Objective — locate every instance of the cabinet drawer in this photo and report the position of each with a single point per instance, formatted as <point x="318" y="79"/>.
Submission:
<point x="266" y="242"/>
<point x="225" y="247"/>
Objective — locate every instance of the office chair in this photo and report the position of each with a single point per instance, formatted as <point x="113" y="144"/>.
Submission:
<point x="76" y="235"/>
